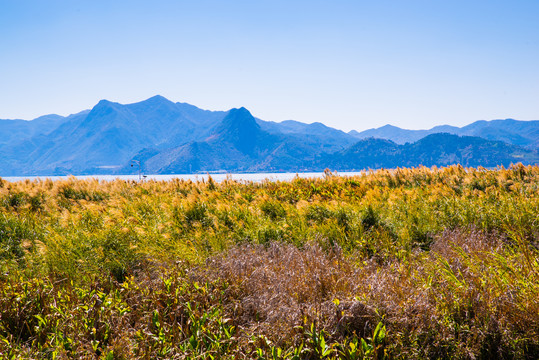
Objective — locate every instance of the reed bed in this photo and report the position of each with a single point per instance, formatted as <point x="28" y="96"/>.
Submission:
<point x="410" y="263"/>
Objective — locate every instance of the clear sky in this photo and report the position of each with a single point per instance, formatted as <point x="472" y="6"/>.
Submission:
<point x="350" y="64"/>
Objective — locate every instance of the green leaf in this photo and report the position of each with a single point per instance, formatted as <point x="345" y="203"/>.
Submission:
<point x="379" y="333"/>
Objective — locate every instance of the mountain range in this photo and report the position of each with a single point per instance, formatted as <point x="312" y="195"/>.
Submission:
<point x="521" y="133"/>
<point x="167" y="137"/>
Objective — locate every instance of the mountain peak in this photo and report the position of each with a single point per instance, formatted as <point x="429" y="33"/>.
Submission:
<point x="103" y="102"/>
<point x="154" y="101"/>
<point x="157" y="99"/>
<point x="240" y="118"/>
<point x="388" y="127"/>
<point x="240" y="128"/>
<point x="103" y="107"/>
<point x="239" y="112"/>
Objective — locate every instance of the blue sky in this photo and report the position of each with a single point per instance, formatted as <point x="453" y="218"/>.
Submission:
<point x="349" y="64"/>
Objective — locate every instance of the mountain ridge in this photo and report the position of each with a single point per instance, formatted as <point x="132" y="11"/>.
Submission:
<point x="516" y="132"/>
<point x="170" y="137"/>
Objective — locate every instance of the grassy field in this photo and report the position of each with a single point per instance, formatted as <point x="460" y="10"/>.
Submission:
<point x="413" y="263"/>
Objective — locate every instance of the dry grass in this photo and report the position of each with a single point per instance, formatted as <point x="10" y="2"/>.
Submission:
<point x="277" y="288"/>
<point x="446" y="258"/>
<point x="469" y="297"/>
<point x="462" y="299"/>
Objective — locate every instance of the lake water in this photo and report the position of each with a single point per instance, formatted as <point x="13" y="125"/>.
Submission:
<point x="255" y="177"/>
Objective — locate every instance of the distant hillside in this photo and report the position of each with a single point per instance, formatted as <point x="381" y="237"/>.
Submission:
<point x="237" y="143"/>
<point x="515" y="132"/>
<point x="435" y="149"/>
<point x="15" y="130"/>
<point x="316" y="133"/>
<point x="109" y="135"/>
<point x="168" y="137"/>
<point x="104" y="139"/>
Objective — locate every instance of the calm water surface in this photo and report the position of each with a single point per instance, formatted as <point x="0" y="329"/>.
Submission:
<point x="256" y="177"/>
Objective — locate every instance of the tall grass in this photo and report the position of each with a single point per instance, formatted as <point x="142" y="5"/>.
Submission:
<point x="411" y="263"/>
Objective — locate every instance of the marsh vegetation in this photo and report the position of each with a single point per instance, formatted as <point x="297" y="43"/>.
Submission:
<point x="412" y="263"/>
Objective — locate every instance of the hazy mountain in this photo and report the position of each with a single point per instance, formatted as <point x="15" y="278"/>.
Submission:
<point x="110" y="134"/>
<point x="393" y="133"/>
<point x="315" y="133"/>
<point x="234" y="143"/>
<point x="439" y="149"/>
<point x="15" y="131"/>
<point x="237" y="143"/>
<point x="521" y="133"/>
<point x="168" y="137"/>
<point x="369" y="153"/>
<point x="105" y="138"/>
<point x="20" y="138"/>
